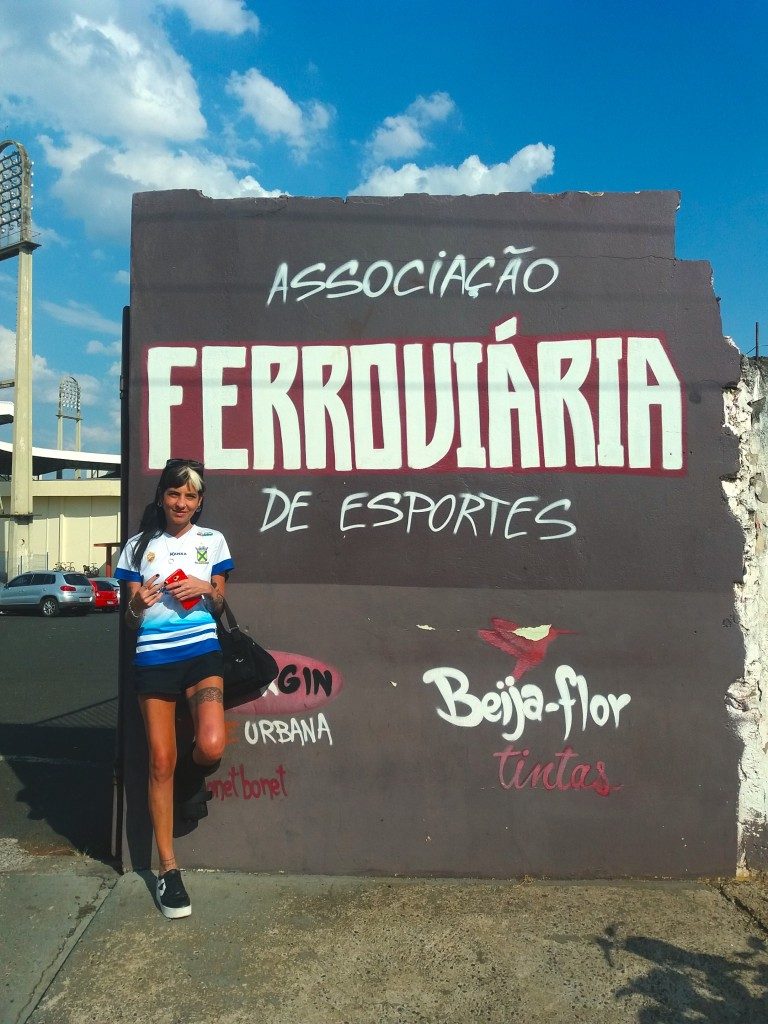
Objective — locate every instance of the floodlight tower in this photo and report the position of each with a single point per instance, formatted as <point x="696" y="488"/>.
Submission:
<point x="69" y="409"/>
<point x="16" y="240"/>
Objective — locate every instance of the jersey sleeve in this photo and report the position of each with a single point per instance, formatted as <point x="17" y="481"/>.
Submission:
<point x="125" y="570"/>
<point x="223" y="559"/>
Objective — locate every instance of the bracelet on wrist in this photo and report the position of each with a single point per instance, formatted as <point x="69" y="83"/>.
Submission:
<point x="136" y="615"/>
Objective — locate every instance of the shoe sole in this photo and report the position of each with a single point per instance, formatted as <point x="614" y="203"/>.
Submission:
<point x="174" y="912"/>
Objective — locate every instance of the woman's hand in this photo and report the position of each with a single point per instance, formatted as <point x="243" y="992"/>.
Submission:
<point x="191" y="588"/>
<point x="142" y="596"/>
<point x="147" y="594"/>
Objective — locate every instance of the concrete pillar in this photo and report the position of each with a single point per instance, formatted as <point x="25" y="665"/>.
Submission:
<point x="21" y="475"/>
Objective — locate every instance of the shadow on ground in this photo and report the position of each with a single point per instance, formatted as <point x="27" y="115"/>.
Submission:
<point x="683" y="986"/>
<point x="56" y="782"/>
<point x="58" y="724"/>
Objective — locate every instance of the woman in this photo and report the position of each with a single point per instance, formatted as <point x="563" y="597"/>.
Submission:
<point x="177" y="654"/>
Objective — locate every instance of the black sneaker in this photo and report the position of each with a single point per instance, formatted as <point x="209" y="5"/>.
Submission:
<point x="172" y="897"/>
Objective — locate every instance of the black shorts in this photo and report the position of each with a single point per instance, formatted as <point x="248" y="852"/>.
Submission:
<point x="175" y="677"/>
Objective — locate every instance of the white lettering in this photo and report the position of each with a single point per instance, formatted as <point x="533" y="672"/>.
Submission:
<point x="416" y="265"/>
<point x="280" y="284"/>
<point x="351" y="502"/>
<point x="456" y="272"/>
<point x="559" y="392"/>
<point x="519" y="506"/>
<point x="376" y="504"/>
<point x="474" y="289"/>
<point x="350" y="286"/>
<point x="515" y="706"/>
<point x="321" y="400"/>
<point x="369" y="455"/>
<point x="314" y="286"/>
<point x="505" y="368"/>
<point x="541" y="520"/>
<point x="302" y="730"/>
<point x="162" y="396"/>
<point x="538" y="275"/>
<point x="554" y="273"/>
<point x="389" y="274"/>
<point x="512" y="268"/>
<point x="270" y="400"/>
<point x="610" y="450"/>
<point x="423" y="453"/>
<point x="644" y="354"/>
<point x="216" y="397"/>
<point x="471" y="452"/>
<point x="440" y="405"/>
<point x="289" y="506"/>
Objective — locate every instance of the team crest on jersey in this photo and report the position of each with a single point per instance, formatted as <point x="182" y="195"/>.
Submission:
<point x="202" y="555"/>
<point x="150" y="556"/>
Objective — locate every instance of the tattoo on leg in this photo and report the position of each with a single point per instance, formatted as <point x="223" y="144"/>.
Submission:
<point x="207" y="693"/>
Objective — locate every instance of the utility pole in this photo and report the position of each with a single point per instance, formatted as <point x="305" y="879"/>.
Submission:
<point x="16" y="240"/>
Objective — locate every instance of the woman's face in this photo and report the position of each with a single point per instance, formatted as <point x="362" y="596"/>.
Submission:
<point x="180" y="504"/>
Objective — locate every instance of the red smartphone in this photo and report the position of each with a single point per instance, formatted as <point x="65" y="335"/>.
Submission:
<point x="176" y="577"/>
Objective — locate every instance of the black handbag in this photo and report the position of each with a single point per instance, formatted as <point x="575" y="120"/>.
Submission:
<point x="248" y="668"/>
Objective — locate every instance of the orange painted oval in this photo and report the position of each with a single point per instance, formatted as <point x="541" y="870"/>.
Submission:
<point x="303" y="684"/>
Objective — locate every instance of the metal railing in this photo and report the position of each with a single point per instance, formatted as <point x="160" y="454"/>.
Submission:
<point x="27" y="563"/>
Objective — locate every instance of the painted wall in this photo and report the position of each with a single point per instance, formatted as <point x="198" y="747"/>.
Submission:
<point x="71" y="517"/>
<point x="468" y="456"/>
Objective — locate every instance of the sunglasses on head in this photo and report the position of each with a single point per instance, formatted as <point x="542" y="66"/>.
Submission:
<point x="190" y="463"/>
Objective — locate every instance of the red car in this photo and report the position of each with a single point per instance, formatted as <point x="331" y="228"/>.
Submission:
<point x="106" y="594"/>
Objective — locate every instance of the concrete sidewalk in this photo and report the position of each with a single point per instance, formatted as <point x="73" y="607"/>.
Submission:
<point x="81" y="944"/>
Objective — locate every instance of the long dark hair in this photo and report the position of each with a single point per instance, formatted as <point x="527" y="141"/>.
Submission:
<point x="177" y="473"/>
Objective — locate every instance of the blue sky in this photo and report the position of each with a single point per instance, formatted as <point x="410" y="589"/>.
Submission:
<point x="240" y="97"/>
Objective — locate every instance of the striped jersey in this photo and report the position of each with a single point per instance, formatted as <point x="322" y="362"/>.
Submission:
<point x="169" y="632"/>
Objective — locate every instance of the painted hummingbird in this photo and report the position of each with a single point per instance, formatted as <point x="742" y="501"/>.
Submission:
<point x="526" y="644"/>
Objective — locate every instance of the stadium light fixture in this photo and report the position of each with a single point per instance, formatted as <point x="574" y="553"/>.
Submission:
<point x="15" y="199"/>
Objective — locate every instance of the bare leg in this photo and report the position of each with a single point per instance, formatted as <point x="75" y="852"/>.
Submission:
<point x="159" y="715"/>
<point x="206" y="705"/>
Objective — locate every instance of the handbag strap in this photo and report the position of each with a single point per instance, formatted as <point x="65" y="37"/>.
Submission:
<point x="229" y="615"/>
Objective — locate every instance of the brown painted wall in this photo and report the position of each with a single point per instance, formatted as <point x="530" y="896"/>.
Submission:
<point x="457" y="487"/>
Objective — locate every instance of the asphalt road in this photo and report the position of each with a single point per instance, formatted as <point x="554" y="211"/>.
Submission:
<point x="58" y="680"/>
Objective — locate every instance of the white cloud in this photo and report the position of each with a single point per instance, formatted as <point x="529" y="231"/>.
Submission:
<point x="436" y="107"/>
<point x="403" y="135"/>
<point x="122" y="277"/>
<point x="96" y="438"/>
<point x="47" y="236"/>
<point x="99" y="67"/>
<point x="76" y="314"/>
<point x="103" y="438"/>
<point x="116" y="105"/>
<point x="98" y="348"/>
<point x="97" y="180"/>
<point x="45" y="378"/>
<point x="229" y="16"/>
<point x="7" y="356"/>
<point x="472" y="177"/>
<point x="276" y="114"/>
